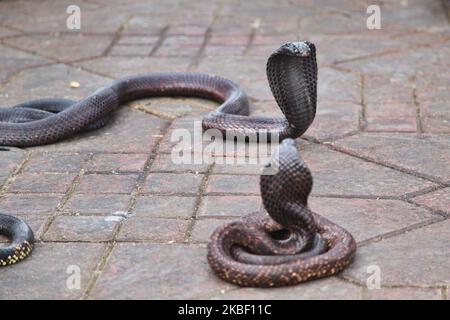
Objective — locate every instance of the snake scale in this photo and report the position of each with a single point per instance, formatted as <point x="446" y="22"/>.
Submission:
<point x="288" y="246"/>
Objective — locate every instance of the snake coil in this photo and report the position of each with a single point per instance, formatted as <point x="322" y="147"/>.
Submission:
<point x="290" y="245"/>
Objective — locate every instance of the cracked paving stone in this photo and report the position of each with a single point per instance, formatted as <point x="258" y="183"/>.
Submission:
<point x="428" y="155"/>
<point x="339" y="174"/>
<point x="172" y="271"/>
<point x="416" y="258"/>
<point x="44" y="275"/>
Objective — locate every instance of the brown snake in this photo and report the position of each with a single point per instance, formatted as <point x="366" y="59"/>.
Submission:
<point x="290" y="245"/>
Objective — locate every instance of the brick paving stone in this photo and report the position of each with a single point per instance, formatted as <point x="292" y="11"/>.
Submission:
<point x="153" y="206"/>
<point x="180" y="45"/>
<point x="435" y="125"/>
<point x="342" y="175"/>
<point x="433" y="87"/>
<point x="82" y="228"/>
<point x="107" y="162"/>
<point x="367" y="218"/>
<point x="42" y="182"/>
<point x="5" y="32"/>
<point x="248" y="184"/>
<point x="428" y="155"/>
<point x="248" y="72"/>
<point x="176" y="107"/>
<point x="334" y="119"/>
<point x="134" y="40"/>
<point x="404" y="294"/>
<point x="325" y="289"/>
<point x="419" y="257"/>
<point x="29" y="204"/>
<point x="47" y="81"/>
<point x="159" y="230"/>
<point x="52" y="17"/>
<point x="15" y="59"/>
<point x="124" y="66"/>
<point x="138" y="133"/>
<point x="432" y="96"/>
<point x="229" y="205"/>
<point x="166" y="267"/>
<point x="130" y="50"/>
<point x="96" y="204"/>
<point x="63" y="47"/>
<point x="187" y="183"/>
<point x="165" y="163"/>
<point x="336" y="85"/>
<point x="10" y="159"/>
<point x="436" y="200"/>
<point x="204" y="228"/>
<point x="388" y="89"/>
<point x="336" y="24"/>
<point x="335" y="49"/>
<point x="107" y="183"/>
<point x="391" y="117"/>
<point x="430" y="59"/>
<point x="49" y="162"/>
<point x="44" y="275"/>
<point x="238" y="169"/>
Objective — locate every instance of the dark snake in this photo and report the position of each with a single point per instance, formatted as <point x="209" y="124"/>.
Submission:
<point x="290" y="245"/>
<point x="314" y="246"/>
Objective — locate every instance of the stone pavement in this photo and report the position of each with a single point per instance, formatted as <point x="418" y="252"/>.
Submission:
<point x="379" y="148"/>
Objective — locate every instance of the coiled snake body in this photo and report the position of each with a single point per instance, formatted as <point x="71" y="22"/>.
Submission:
<point x="290" y="245"/>
<point x="292" y="76"/>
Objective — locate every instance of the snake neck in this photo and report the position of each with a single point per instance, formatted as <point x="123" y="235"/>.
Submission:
<point x="292" y="79"/>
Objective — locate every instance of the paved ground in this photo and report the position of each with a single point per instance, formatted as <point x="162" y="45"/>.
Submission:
<point x="379" y="148"/>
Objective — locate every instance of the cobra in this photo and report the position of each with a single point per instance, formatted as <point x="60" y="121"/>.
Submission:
<point x="292" y="76"/>
<point x="290" y="244"/>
